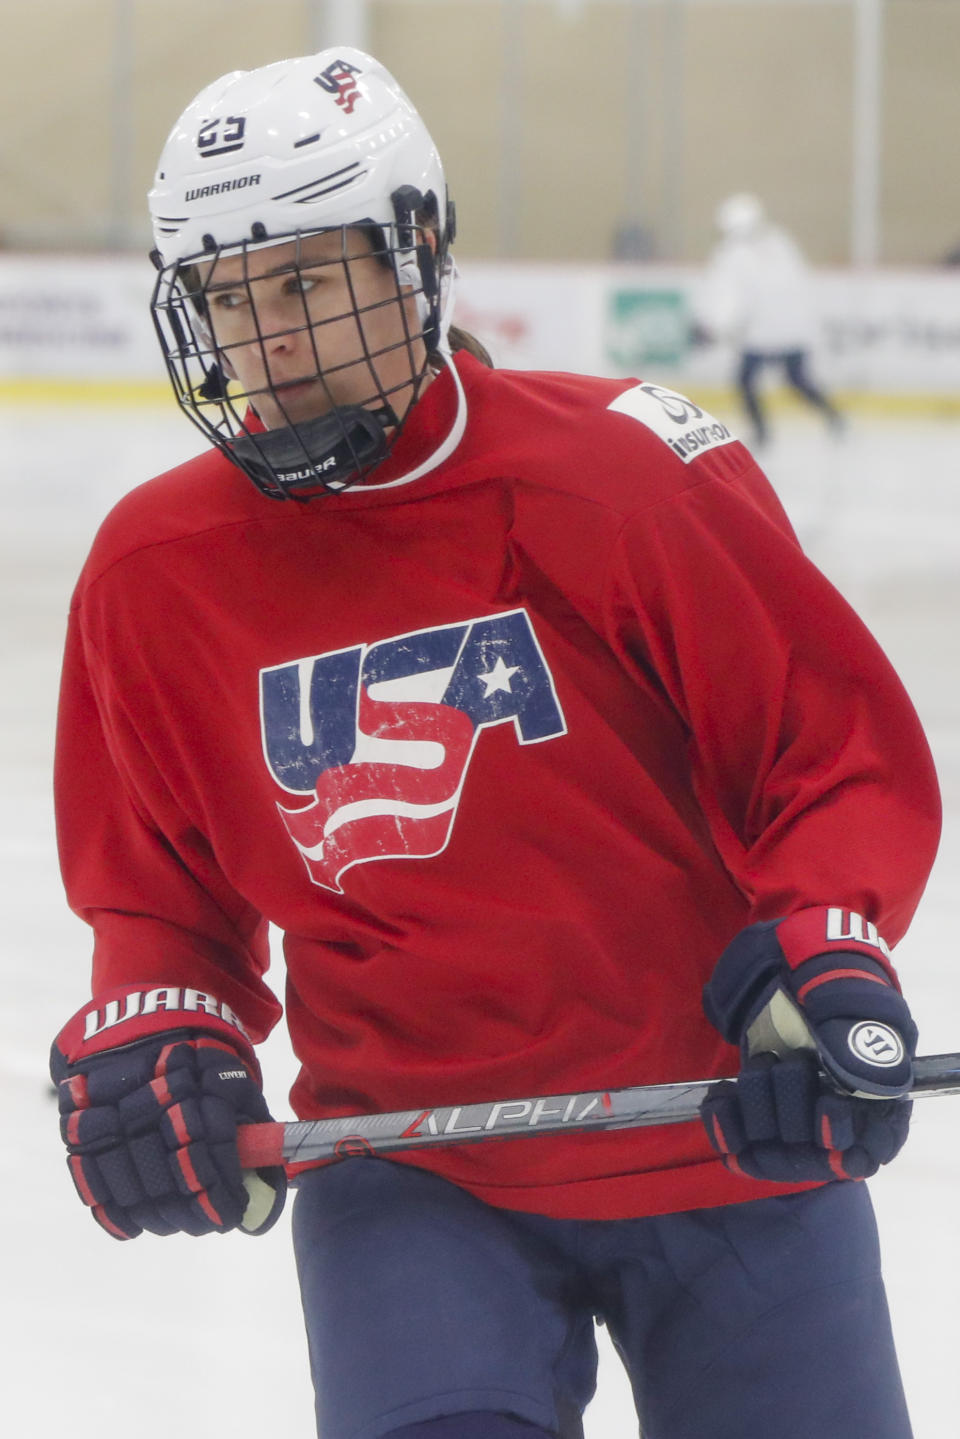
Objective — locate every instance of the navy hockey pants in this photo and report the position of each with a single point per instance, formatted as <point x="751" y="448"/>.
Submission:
<point x="764" y="1320"/>
<point x="795" y="367"/>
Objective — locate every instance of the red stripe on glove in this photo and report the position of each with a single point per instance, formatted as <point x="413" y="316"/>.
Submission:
<point x="105" y="1222"/>
<point x="180" y="1127"/>
<point x="75" y="1164"/>
<point x="805" y="989"/>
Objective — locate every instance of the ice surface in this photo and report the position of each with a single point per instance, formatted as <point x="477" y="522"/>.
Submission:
<point x="103" y="1340"/>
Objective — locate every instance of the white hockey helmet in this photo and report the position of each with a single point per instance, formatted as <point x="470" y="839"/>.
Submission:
<point x="739" y="216"/>
<point x="266" y="156"/>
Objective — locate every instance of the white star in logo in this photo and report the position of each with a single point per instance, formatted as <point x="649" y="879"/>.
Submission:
<point x="498" y="678"/>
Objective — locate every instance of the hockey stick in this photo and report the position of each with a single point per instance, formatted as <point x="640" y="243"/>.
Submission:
<point x="311" y="1139"/>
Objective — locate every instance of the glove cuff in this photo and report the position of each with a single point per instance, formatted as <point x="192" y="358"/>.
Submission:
<point x="130" y="1013"/>
<point x="828" y="929"/>
<point x="745" y="972"/>
<point x="752" y="965"/>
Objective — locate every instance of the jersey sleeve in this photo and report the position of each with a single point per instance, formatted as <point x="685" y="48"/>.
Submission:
<point x="133" y="865"/>
<point x="807" y="756"/>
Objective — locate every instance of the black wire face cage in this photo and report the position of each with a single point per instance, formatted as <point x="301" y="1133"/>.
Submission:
<point x="300" y="355"/>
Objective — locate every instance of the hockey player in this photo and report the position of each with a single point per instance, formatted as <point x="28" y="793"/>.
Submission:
<point x="512" y="701"/>
<point x="756" y="295"/>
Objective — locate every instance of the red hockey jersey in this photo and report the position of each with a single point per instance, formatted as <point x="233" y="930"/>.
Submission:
<point x="508" y="751"/>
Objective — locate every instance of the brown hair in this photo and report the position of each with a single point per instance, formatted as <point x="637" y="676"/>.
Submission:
<point x="463" y="340"/>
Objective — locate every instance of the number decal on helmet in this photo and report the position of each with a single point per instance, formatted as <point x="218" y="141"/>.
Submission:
<point x="214" y="141"/>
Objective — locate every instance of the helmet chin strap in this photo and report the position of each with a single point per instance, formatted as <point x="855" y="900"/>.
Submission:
<point x="331" y="451"/>
<point x="325" y="453"/>
<point x="448" y="277"/>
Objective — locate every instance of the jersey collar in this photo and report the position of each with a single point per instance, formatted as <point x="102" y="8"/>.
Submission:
<point x="430" y="435"/>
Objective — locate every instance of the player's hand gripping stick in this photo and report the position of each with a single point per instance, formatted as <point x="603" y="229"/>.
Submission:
<point x="150" y="1115"/>
<point x="804" y="997"/>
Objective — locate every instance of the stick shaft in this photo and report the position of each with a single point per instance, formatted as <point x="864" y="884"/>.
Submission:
<point x="307" y="1140"/>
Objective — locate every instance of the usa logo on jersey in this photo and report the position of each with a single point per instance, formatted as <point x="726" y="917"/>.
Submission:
<point x="382" y="735"/>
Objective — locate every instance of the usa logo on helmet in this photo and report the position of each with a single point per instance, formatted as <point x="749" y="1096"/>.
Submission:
<point x="382" y="735"/>
<point x="338" y="80"/>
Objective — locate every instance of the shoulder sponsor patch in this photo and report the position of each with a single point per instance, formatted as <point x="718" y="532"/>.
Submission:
<point x="681" y="424"/>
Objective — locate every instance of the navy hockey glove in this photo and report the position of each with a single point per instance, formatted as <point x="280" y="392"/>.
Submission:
<point x="810" y="996"/>
<point x="153" y="1083"/>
